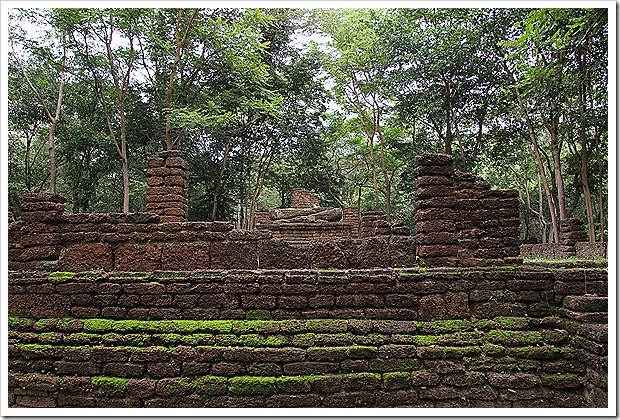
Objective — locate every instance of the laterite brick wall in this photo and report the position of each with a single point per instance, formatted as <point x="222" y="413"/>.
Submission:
<point x="496" y="337"/>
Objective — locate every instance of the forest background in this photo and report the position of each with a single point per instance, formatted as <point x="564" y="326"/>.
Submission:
<point x="338" y="101"/>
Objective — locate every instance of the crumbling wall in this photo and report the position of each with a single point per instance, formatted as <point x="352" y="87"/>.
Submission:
<point x="460" y="221"/>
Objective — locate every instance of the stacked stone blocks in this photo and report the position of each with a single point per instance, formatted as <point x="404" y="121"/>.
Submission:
<point x="487" y="223"/>
<point x="351" y="215"/>
<point x="571" y="232"/>
<point x="37" y="236"/>
<point x="435" y="214"/>
<point x="460" y="221"/>
<point x="166" y="194"/>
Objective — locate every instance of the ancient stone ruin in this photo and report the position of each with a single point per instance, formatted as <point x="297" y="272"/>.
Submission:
<point x="306" y="220"/>
<point x="318" y="307"/>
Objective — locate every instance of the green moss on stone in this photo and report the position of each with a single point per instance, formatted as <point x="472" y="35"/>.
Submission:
<point x="304" y="340"/>
<point x="90" y="275"/>
<point x="485" y="325"/>
<point x="110" y="386"/>
<point x="252" y="385"/>
<point x="70" y="324"/>
<point x="16" y="322"/>
<point x="59" y="276"/>
<point x="362" y="352"/>
<point x="134" y="276"/>
<point x="562" y="381"/>
<point x="424" y="340"/>
<point x="258" y="314"/>
<point x="179" y="387"/>
<point x="226" y="340"/>
<point x="327" y="325"/>
<point x="255" y="326"/>
<point x="98" y="325"/>
<point x="533" y="352"/>
<point x="512" y="323"/>
<point x="111" y="338"/>
<point x="46" y="323"/>
<point x="51" y="337"/>
<point x="34" y="348"/>
<point x="514" y="338"/>
<point x="397" y="376"/>
<point x="493" y="350"/>
<point x="372" y="339"/>
<point x="211" y="385"/>
<point x="294" y="384"/>
<point x="257" y="340"/>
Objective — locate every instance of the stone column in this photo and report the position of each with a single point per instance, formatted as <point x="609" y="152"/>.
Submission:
<point x="435" y="214"/>
<point x="351" y="214"/>
<point x="166" y="194"/>
<point x="41" y="238"/>
<point x="262" y="215"/>
<point x="571" y="232"/>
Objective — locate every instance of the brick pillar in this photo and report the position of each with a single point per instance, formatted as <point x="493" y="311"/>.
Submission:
<point x="571" y="232"/>
<point x="435" y="214"/>
<point x="351" y="214"/>
<point x="40" y="238"/>
<point x="487" y="226"/>
<point x="262" y="215"/>
<point x="166" y="194"/>
<point x="368" y="222"/>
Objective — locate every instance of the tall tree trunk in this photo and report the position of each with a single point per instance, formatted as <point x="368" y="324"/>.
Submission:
<point x="600" y="189"/>
<point x="52" y="118"/>
<point x="584" y="156"/>
<point x="557" y="169"/>
<point x="448" y="138"/>
<point x="541" y="214"/>
<point x="388" y="182"/>
<point x="220" y="180"/>
<point x="539" y="162"/>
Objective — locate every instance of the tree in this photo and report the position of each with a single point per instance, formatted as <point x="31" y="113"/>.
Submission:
<point x="46" y="50"/>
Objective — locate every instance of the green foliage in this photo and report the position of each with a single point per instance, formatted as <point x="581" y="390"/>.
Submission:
<point x="257" y="108"/>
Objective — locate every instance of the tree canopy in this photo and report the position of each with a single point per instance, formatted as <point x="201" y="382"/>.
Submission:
<point x="339" y="101"/>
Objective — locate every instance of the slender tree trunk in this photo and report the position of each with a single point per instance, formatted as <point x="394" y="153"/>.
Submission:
<point x="388" y="183"/>
<point x="541" y="215"/>
<point x="557" y="169"/>
<point x="448" y="138"/>
<point x="541" y="168"/>
<point x="600" y="189"/>
<point x="584" y="162"/>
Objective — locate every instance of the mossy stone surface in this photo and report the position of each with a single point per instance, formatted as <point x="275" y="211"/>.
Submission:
<point x="109" y="386"/>
<point x="211" y="385"/>
<point x="512" y="323"/>
<point x="252" y="385"/>
<point x="361" y="352"/>
<point x="514" y="338"/>
<point x="60" y="276"/>
<point x="294" y="384"/>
